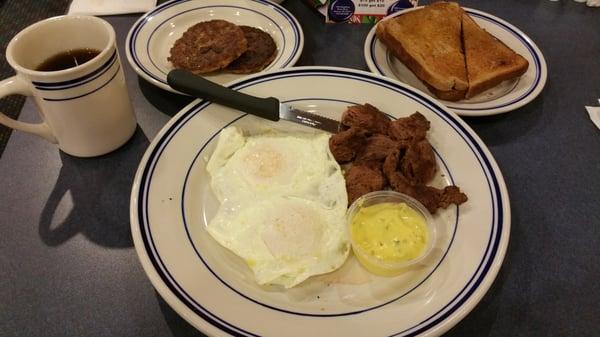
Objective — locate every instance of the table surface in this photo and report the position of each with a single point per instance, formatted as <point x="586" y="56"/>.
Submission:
<point x="67" y="262"/>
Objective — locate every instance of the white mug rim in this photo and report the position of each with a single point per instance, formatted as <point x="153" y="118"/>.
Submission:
<point x="73" y="70"/>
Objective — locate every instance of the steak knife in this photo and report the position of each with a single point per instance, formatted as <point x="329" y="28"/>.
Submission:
<point x="269" y="108"/>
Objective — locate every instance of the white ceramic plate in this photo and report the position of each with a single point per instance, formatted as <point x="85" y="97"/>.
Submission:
<point x="152" y="36"/>
<point x="215" y="291"/>
<point x="505" y="97"/>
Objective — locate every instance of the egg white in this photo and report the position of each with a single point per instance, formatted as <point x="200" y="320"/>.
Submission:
<point x="283" y="203"/>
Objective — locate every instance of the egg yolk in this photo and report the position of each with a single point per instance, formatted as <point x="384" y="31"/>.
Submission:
<point x="264" y="163"/>
<point x="390" y="232"/>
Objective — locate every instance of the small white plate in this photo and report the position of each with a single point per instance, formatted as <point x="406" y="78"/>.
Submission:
<point x="505" y="97"/>
<point x="152" y="36"/>
<point x="215" y="291"/>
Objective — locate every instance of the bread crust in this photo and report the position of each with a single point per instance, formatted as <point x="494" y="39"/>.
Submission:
<point x="448" y="95"/>
<point x="493" y="79"/>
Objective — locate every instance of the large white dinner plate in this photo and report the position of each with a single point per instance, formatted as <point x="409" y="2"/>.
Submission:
<point x="505" y="97"/>
<point x="215" y="291"/>
<point x="152" y="36"/>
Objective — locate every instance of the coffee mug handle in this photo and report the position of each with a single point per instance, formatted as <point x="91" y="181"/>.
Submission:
<point x="15" y="85"/>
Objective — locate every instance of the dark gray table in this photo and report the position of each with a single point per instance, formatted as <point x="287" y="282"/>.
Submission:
<point x="68" y="268"/>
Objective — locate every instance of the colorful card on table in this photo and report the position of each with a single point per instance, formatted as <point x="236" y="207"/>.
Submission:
<point x="359" y="11"/>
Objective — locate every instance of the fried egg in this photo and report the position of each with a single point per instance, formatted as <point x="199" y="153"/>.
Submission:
<point x="283" y="204"/>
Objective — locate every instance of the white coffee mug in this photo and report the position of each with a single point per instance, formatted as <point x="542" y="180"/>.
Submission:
<point x="85" y="109"/>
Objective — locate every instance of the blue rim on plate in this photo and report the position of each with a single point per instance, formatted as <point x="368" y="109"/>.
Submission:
<point x="532" y="91"/>
<point x="158" y="77"/>
<point x="442" y="320"/>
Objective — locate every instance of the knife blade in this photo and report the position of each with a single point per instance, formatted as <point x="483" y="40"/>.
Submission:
<point x="309" y="119"/>
<point x="269" y="108"/>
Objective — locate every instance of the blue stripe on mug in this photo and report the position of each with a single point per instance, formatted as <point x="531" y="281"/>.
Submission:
<point x="91" y="92"/>
<point x="78" y="81"/>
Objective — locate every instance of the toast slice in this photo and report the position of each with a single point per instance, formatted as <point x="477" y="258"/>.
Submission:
<point x="489" y="61"/>
<point x="428" y="41"/>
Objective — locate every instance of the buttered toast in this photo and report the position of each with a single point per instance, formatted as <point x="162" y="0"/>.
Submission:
<point x="449" y="52"/>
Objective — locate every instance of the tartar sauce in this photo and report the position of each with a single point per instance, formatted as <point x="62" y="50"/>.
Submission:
<point x="391" y="233"/>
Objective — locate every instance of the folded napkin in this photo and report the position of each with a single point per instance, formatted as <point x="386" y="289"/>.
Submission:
<point x="594" y="112"/>
<point x="110" y="7"/>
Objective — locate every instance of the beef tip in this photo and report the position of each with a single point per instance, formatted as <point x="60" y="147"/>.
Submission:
<point x="409" y="129"/>
<point x="377" y="148"/>
<point x="397" y="180"/>
<point x="418" y="164"/>
<point x="432" y="198"/>
<point x="363" y="178"/>
<point x="452" y="195"/>
<point x="366" y="117"/>
<point x="346" y="144"/>
<point x="428" y="196"/>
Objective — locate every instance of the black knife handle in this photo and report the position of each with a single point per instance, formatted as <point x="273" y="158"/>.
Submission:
<point x="188" y="83"/>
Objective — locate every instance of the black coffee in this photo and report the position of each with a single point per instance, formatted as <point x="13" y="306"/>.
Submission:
<point x="68" y="59"/>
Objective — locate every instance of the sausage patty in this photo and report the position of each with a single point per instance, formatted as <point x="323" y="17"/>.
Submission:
<point x="261" y="52"/>
<point x="208" y="46"/>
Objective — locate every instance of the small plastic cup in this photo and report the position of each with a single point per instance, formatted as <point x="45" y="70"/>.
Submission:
<point x="372" y="263"/>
